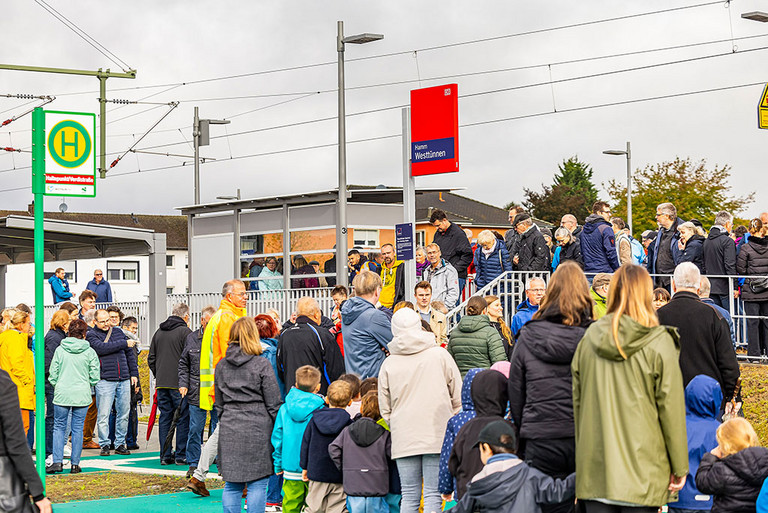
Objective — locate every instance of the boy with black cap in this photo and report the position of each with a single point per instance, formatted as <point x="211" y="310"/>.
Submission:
<point x="506" y="483"/>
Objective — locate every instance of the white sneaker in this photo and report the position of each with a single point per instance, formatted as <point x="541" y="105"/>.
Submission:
<point x="67" y="451"/>
<point x="49" y="460"/>
<point x="273" y="509"/>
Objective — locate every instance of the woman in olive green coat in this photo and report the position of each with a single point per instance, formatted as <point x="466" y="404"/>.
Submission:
<point x="628" y="404"/>
<point x="474" y="343"/>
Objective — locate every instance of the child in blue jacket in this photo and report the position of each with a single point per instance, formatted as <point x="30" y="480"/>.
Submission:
<point x="291" y="421"/>
<point x="703" y="398"/>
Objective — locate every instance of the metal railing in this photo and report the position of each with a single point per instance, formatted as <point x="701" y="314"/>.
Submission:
<point x="510" y="287"/>
<point x="259" y="301"/>
<point x="138" y="309"/>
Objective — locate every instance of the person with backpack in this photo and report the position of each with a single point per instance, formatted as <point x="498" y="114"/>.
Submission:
<point x="628" y="249"/>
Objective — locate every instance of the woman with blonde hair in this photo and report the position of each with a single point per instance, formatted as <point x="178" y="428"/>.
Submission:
<point x="495" y="312"/>
<point x="540" y="388"/>
<point x="627" y="380"/>
<point x="735" y="470"/>
<point x="247" y="400"/>
<point x="17" y="360"/>
<point x="491" y="258"/>
<point x="691" y="244"/>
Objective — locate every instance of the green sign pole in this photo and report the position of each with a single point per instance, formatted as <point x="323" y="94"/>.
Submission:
<point x="38" y="188"/>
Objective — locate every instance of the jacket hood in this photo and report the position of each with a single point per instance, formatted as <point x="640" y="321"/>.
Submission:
<point x="467" y="404"/>
<point x="236" y="356"/>
<point x="171" y="323"/>
<point x="697" y="237"/>
<point x="330" y="421"/>
<point x="633" y="337"/>
<point x="553" y="342"/>
<point x="715" y="233"/>
<point x="750" y="464"/>
<point x="759" y="244"/>
<point x="395" y="265"/>
<point x="365" y="431"/>
<point x="407" y="335"/>
<point x="489" y="393"/>
<point x="499" y="489"/>
<point x="300" y="404"/>
<point x="52" y="279"/>
<point x="473" y="323"/>
<point x="353" y="308"/>
<point x="597" y="297"/>
<point x="592" y="222"/>
<point x="74" y="345"/>
<point x="703" y="397"/>
<point x="526" y="305"/>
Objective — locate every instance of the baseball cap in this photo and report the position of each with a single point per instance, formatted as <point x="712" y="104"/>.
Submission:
<point x="314" y="262"/>
<point x="492" y="433"/>
<point x="520" y="218"/>
<point x="649" y="234"/>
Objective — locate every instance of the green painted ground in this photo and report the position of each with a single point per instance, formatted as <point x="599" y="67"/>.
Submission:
<point x="185" y="501"/>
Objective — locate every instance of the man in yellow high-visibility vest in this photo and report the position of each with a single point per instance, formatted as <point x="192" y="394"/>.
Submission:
<point x="213" y="349"/>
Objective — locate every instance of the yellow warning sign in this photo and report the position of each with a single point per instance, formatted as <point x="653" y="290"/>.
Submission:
<point x="762" y="109"/>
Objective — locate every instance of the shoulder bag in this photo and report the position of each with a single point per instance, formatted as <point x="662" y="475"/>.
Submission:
<point x="14" y="495"/>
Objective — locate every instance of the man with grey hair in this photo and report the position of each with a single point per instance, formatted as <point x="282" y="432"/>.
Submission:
<point x="719" y="256"/>
<point x="307" y="343"/>
<point x="665" y="250"/>
<point x="705" y="343"/>
<point x="164" y="354"/>
<point x="570" y="222"/>
<point x="535" y="289"/>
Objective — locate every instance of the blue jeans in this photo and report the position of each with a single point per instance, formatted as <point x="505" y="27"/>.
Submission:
<point x="107" y="393"/>
<point x="197" y="418"/>
<point x="48" y="419"/>
<point x="413" y="471"/>
<point x="168" y="400"/>
<point x="60" y="431"/>
<point x="31" y="432"/>
<point x="232" y="499"/>
<point x="367" y="505"/>
<point x="275" y="490"/>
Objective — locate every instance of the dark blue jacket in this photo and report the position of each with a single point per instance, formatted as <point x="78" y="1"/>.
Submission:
<point x="52" y="340"/>
<point x="702" y="406"/>
<point x="326" y="424"/>
<point x="726" y="315"/>
<point x="118" y="361"/>
<point x="270" y="353"/>
<point x="676" y="253"/>
<point x="488" y="268"/>
<point x="102" y="289"/>
<point x="598" y="246"/>
<point x="693" y="253"/>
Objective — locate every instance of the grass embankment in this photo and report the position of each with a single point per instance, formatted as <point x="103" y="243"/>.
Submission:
<point x="103" y="485"/>
<point x="754" y="392"/>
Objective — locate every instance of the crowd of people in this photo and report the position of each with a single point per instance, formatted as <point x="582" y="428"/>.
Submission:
<point x="610" y="390"/>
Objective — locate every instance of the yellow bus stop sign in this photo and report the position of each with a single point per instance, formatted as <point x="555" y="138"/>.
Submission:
<point x="762" y="110"/>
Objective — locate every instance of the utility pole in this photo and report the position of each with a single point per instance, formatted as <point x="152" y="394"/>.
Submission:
<point x="202" y="137"/>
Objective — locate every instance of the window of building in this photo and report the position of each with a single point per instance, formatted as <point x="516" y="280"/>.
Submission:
<point x="169" y="290"/>
<point x="366" y="238"/>
<point x="123" y="271"/>
<point x="169" y="260"/>
<point x="421" y="238"/>
<point x="70" y="270"/>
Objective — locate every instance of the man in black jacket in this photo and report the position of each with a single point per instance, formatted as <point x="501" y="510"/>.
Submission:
<point x="705" y="341"/>
<point x="307" y="343"/>
<point x="453" y="243"/>
<point x="189" y="388"/>
<point x="719" y="256"/>
<point x="532" y="250"/>
<point x="164" y="354"/>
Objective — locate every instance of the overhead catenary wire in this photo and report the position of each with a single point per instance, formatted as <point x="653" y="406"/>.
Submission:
<point x="173" y="105"/>
<point x="84" y="36"/>
<point x="425" y="49"/>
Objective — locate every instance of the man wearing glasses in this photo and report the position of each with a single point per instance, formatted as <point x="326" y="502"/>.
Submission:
<point x="118" y="372"/>
<point x="598" y="245"/>
<point x="100" y="287"/>
<point x="666" y="251"/>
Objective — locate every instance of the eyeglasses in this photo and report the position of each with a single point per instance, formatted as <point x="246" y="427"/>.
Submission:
<point x="659" y="215"/>
<point x="102" y="321"/>
<point x="537" y="290"/>
<point x="606" y="211"/>
<point x="242" y="294"/>
<point x="98" y="274"/>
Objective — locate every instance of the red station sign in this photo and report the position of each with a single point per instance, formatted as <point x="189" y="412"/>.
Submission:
<point x="435" y="130"/>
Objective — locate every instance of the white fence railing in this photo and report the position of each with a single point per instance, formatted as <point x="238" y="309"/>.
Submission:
<point x="283" y="301"/>
<point x="138" y="309"/>
<point x="510" y="287"/>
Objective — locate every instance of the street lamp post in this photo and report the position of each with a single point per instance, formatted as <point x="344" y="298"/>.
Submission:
<point x="628" y="153"/>
<point x="341" y="221"/>
<point x="201" y="137"/>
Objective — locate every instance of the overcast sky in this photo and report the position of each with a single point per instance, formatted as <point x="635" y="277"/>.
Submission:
<point x="173" y="42"/>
